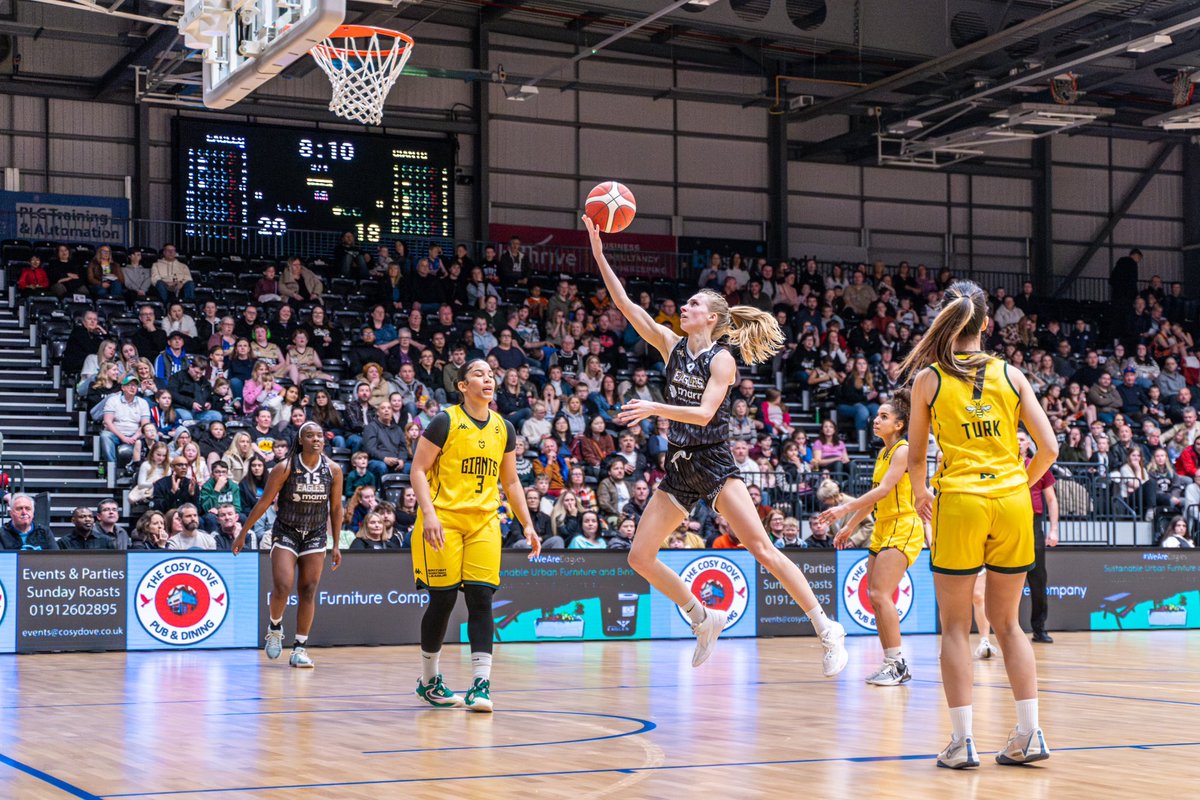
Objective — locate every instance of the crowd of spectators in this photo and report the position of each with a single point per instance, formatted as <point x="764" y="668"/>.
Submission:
<point x="202" y="400"/>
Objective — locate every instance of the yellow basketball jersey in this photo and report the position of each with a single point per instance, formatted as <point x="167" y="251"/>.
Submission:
<point x="899" y="501"/>
<point x="975" y="423"/>
<point x="466" y="475"/>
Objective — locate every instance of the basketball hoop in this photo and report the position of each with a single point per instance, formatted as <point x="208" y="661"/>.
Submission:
<point x="362" y="63"/>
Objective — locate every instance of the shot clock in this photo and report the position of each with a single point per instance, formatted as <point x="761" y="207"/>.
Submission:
<point x="246" y="184"/>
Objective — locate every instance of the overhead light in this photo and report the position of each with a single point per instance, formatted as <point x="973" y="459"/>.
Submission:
<point x="1181" y="119"/>
<point x="703" y="2"/>
<point x="523" y="93"/>
<point x="1045" y="115"/>
<point x="907" y="126"/>
<point x="1149" y="43"/>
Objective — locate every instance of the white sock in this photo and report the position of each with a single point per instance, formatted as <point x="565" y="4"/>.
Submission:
<point x="429" y="666"/>
<point x="960" y="722"/>
<point x="819" y="620"/>
<point x="277" y="623"/>
<point x="1027" y="715"/>
<point x="301" y="641"/>
<point x="481" y="665"/>
<point x="695" y="611"/>
<point x="892" y="653"/>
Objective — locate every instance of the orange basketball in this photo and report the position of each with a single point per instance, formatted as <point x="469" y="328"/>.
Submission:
<point x="611" y="206"/>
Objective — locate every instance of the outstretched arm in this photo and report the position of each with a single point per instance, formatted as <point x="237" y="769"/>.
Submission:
<point x="662" y="338"/>
<point x="866" y="501"/>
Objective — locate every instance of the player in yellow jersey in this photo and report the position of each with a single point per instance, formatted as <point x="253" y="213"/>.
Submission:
<point x="899" y="533"/>
<point x="463" y="457"/>
<point x="982" y="515"/>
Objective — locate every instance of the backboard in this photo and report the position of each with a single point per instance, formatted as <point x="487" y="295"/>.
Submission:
<point x="245" y="43"/>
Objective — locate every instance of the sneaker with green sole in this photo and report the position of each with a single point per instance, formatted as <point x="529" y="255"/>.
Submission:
<point x="479" y="697"/>
<point x="436" y="694"/>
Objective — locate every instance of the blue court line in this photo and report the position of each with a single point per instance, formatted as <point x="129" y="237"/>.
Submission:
<point x="45" y="777"/>
<point x="645" y="727"/>
<point x="623" y="770"/>
<point x="290" y="698"/>
<point x="1080" y="694"/>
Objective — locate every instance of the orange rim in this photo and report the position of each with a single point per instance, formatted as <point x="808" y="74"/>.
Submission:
<point x="361" y="32"/>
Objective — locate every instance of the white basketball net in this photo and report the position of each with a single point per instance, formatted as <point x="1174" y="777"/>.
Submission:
<point x="362" y="69"/>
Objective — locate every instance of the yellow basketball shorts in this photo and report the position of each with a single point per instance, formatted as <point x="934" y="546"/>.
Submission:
<point x="971" y="532"/>
<point x="471" y="553"/>
<point x="905" y="534"/>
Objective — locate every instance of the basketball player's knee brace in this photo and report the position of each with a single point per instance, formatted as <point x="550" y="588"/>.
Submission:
<point x="481" y="625"/>
<point x="437" y="617"/>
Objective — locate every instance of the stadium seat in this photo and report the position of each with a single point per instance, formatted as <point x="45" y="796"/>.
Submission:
<point x="15" y="252"/>
<point x="108" y="308"/>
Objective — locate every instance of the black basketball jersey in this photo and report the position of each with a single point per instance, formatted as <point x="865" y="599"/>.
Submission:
<point x="304" y="498"/>
<point x="686" y="379"/>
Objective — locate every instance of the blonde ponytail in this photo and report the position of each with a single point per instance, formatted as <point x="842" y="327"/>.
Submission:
<point x="754" y="332"/>
<point x="963" y="313"/>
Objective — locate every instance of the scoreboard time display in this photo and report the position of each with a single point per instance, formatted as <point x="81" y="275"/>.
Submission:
<point x="237" y="181"/>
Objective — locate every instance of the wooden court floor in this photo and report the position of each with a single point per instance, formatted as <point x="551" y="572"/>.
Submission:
<point x="578" y="721"/>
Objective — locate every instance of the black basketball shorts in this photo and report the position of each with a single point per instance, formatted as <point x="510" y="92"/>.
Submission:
<point x="697" y="473"/>
<point x="300" y="543"/>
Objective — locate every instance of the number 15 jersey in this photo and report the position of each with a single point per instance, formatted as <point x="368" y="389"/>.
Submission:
<point x="465" y="478"/>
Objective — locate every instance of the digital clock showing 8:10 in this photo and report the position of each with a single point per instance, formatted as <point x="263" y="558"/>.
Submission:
<point x="247" y="183"/>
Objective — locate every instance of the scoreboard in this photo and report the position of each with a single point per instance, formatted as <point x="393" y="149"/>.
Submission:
<point x="249" y="183"/>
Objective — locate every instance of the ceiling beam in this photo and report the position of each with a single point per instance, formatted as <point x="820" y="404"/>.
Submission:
<point x="143" y="55"/>
<point x="1118" y="214"/>
<point x="494" y="11"/>
<point x="957" y="58"/>
<point x="42" y="32"/>
<point x="667" y="34"/>
<point x="584" y="19"/>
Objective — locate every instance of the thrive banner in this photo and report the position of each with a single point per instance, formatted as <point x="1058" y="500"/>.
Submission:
<point x="558" y="251"/>
<point x="64" y="217"/>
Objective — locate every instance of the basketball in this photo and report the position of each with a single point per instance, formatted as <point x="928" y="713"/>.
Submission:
<point x="611" y="206"/>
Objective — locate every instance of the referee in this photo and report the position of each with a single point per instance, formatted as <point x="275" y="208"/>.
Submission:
<point x="1045" y="508"/>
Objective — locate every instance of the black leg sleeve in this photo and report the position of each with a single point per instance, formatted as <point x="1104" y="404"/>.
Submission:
<point x="1039" y="606"/>
<point x="481" y="625"/>
<point x="437" y="617"/>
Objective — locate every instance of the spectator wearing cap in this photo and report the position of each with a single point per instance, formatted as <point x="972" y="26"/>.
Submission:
<point x="83" y="534"/>
<point x="192" y="392"/>
<point x="1133" y="396"/>
<point x="20" y="533"/>
<point x="124" y="415"/>
<point x="173" y="359"/>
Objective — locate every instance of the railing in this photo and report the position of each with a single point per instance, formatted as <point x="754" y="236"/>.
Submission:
<point x="1091" y="508"/>
<point x="1007" y="269"/>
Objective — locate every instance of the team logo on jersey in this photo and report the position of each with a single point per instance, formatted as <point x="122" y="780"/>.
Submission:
<point x="182" y="601"/>
<point x="858" y="600"/>
<point x="978" y="409"/>
<point x="718" y="583"/>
